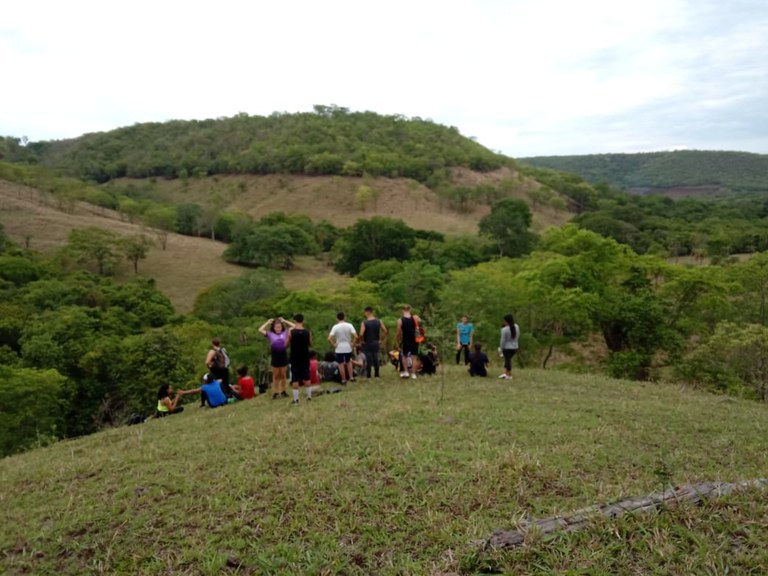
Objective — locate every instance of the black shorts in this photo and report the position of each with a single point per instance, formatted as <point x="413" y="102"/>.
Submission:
<point x="279" y="358"/>
<point x="410" y="348"/>
<point x="343" y="357"/>
<point x="299" y="370"/>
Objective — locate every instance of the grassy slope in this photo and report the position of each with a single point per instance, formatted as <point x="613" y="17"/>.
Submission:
<point x="395" y="478"/>
<point x="333" y="198"/>
<point x="188" y="265"/>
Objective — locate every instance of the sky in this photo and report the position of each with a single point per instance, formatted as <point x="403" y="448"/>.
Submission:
<point x="522" y="77"/>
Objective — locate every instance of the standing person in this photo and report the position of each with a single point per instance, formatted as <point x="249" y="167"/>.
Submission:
<point x="245" y="388"/>
<point x="371" y="332"/>
<point x="508" y="344"/>
<point x="464" y="339"/>
<point x="407" y="325"/>
<point x="166" y="406"/>
<point x="341" y="337"/>
<point x="275" y="331"/>
<point x="217" y="362"/>
<point x="478" y="362"/>
<point x="300" y="341"/>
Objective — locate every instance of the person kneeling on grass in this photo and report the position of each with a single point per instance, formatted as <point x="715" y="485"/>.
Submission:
<point x="166" y="406"/>
<point x="478" y="362"/>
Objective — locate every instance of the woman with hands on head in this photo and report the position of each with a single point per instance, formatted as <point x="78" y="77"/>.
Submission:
<point x="276" y="331"/>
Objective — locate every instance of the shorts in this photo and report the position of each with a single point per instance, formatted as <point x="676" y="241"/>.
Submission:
<point x="300" y="370"/>
<point x="343" y="357"/>
<point x="410" y="348"/>
<point x="279" y="358"/>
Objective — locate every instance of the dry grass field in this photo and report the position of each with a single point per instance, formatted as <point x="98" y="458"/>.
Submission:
<point x="190" y="265"/>
<point x="335" y="199"/>
<point x="186" y="267"/>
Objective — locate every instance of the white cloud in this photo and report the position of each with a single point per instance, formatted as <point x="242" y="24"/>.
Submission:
<point x="523" y="76"/>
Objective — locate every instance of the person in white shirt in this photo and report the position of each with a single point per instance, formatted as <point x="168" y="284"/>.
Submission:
<point x="341" y="337"/>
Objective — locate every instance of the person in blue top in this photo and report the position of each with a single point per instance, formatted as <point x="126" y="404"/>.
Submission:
<point x="464" y="339"/>
<point x="210" y="392"/>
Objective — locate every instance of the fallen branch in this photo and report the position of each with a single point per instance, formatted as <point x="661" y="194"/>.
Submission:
<point x="690" y="493"/>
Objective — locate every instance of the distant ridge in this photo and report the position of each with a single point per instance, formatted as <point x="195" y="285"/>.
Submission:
<point x="701" y="172"/>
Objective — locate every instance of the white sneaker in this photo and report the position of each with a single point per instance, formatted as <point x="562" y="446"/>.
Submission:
<point x="503" y="376"/>
<point x="413" y="376"/>
<point x="403" y="374"/>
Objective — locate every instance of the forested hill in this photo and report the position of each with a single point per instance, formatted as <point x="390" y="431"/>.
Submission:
<point x="329" y="141"/>
<point x="728" y="171"/>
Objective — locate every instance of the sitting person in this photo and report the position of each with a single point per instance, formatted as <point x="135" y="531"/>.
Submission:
<point x="359" y="362"/>
<point x="478" y="362"/>
<point x="245" y="388"/>
<point x="329" y="368"/>
<point x="166" y="406"/>
<point x="210" y="392"/>
<point x="428" y="360"/>
<point x="314" y="375"/>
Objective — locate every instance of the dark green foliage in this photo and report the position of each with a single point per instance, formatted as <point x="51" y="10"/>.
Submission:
<point x="32" y="410"/>
<point x="507" y="227"/>
<point x="343" y="143"/>
<point x="735" y="171"/>
<point x="271" y="246"/>
<point x="376" y="239"/>
<point x="232" y="300"/>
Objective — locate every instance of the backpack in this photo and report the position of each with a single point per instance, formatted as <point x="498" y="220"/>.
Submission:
<point x="421" y="334"/>
<point x="220" y="359"/>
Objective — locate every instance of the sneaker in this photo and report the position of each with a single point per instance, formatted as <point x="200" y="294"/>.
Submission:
<point x="403" y="374"/>
<point x="503" y="376"/>
<point x="309" y="398"/>
<point x="413" y="376"/>
<point x="284" y="394"/>
<point x="275" y="396"/>
<point x="294" y="402"/>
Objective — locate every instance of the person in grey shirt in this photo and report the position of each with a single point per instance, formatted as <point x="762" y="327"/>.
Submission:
<point x="508" y="345"/>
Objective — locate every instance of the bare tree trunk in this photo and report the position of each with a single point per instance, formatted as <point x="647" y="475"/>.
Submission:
<point x="691" y="493"/>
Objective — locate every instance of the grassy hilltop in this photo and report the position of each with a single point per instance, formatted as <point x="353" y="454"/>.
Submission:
<point x="396" y="478"/>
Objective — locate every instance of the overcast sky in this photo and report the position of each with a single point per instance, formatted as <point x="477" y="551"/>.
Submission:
<point x="524" y="77"/>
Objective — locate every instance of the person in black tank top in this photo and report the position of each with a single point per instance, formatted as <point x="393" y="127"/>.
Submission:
<point x="371" y="331"/>
<point x="300" y="341"/>
<point x="406" y="339"/>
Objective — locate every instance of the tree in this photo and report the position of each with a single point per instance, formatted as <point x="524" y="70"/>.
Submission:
<point x="94" y="245"/>
<point x="163" y="220"/>
<point x="136" y="248"/>
<point x="32" y="411"/>
<point x="271" y="246"/>
<point x="376" y="239"/>
<point x="507" y="226"/>
<point x="734" y="358"/>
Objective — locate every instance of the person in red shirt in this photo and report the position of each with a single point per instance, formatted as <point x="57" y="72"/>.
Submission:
<point x="245" y="387"/>
<point x="314" y="376"/>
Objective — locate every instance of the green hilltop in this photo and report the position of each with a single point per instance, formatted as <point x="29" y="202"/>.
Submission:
<point x="331" y="140"/>
<point x="729" y="171"/>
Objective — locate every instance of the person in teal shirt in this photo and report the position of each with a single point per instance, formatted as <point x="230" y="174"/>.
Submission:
<point x="464" y="339"/>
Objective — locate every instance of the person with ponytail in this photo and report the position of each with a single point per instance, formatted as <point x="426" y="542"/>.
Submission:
<point x="508" y="345"/>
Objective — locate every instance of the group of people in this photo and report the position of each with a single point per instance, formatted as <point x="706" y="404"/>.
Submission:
<point x="475" y="359"/>
<point x="354" y="354"/>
